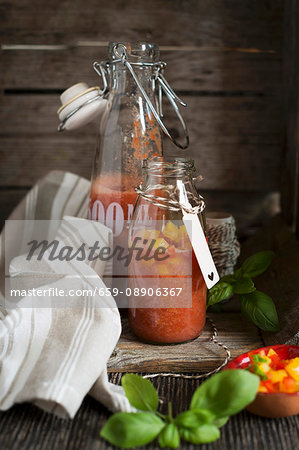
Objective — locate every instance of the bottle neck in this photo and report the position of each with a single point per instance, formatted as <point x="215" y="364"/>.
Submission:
<point x="141" y="56"/>
<point x="170" y="179"/>
<point x="152" y="180"/>
<point x="122" y="82"/>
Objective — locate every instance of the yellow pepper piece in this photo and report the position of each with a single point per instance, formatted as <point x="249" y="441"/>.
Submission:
<point x="293" y="369"/>
<point x="160" y="242"/>
<point x="148" y="234"/>
<point x="276" y="376"/>
<point x="262" y="389"/>
<point x="264" y="367"/>
<point x="271" y="352"/>
<point x="170" y="231"/>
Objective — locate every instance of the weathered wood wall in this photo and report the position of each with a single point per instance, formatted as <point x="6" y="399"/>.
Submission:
<point x="290" y="186"/>
<point x="224" y="58"/>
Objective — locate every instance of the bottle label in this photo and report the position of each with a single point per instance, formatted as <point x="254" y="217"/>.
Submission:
<point x="115" y="217"/>
<point x="201" y="249"/>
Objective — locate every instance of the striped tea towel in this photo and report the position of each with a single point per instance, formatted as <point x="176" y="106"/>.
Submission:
<point x="54" y="350"/>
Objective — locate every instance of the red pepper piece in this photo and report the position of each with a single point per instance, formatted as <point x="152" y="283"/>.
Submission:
<point x="268" y="385"/>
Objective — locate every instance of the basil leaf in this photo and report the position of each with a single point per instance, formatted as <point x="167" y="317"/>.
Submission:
<point x="219" y="292"/>
<point x="257" y="263"/>
<point x="229" y="279"/>
<point x="244" y="285"/>
<point x="169" y="436"/>
<point x="194" y="418"/>
<point x="200" y="435"/>
<point x="131" y="429"/>
<point x="238" y="273"/>
<point x="140" y="392"/>
<point x="226" y="393"/>
<point x="258" y="371"/>
<point x="256" y="358"/>
<point x="219" y="422"/>
<point x="260" y="308"/>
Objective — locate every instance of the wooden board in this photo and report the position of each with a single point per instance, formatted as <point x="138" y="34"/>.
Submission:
<point x="200" y="355"/>
<point x="246" y="24"/>
<point x="224" y="59"/>
<point x="218" y="71"/>
<point x="250" y="209"/>
<point x="290" y="185"/>
<point x="280" y="281"/>
<point x="232" y="139"/>
<point x="25" y="426"/>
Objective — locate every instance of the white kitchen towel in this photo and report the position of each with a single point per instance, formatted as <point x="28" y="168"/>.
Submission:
<point x="54" y="350"/>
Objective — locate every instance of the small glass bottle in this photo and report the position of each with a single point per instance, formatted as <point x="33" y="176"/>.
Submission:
<point x="168" y="301"/>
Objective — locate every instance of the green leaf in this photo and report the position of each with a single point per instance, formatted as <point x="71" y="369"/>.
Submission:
<point x="226" y="393"/>
<point x="244" y="285"/>
<point x="140" y="392"/>
<point x="129" y="430"/>
<point x="238" y="273"/>
<point x="257" y="263"/>
<point x="200" y="435"/>
<point x="229" y="279"/>
<point x="219" y="292"/>
<point x="255" y="368"/>
<point x="169" y="436"/>
<point x="194" y="418"/>
<point x="219" y="422"/>
<point x="256" y="358"/>
<point x="260" y="308"/>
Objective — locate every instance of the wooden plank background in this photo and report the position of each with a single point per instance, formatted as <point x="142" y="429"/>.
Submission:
<point x="224" y="58"/>
<point x="290" y="191"/>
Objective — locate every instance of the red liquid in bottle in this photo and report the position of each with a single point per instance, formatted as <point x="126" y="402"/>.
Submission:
<point x="173" y="324"/>
<point x="112" y="199"/>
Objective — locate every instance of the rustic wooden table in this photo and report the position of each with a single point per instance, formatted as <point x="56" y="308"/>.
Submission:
<point x="25" y="427"/>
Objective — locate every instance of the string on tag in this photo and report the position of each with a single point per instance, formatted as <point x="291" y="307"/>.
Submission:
<point x="172" y="201"/>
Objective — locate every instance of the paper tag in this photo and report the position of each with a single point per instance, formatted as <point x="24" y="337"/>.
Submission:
<point x="201" y="249"/>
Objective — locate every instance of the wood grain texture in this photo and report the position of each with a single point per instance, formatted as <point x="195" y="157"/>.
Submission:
<point x="197" y="70"/>
<point x="290" y="185"/>
<point x="27" y="427"/>
<point x="232" y="139"/>
<point x="200" y="355"/>
<point x="9" y="198"/>
<point x="280" y="281"/>
<point x="246" y="24"/>
<point x="250" y="209"/>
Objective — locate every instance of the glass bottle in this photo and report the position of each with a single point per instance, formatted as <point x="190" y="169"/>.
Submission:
<point x="128" y="133"/>
<point x="168" y="293"/>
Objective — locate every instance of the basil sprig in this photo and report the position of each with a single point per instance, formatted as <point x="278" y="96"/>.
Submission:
<point x="255" y="368"/>
<point x="213" y="402"/>
<point x="255" y="305"/>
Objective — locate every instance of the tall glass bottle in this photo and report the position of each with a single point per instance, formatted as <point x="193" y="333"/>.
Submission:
<point x="128" y="134"/>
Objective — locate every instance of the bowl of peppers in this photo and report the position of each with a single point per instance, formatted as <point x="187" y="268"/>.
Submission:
<point x="278" y="369"/>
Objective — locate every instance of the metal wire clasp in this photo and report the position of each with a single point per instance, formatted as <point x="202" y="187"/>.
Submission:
<point x="120" y="52"/>
<point x="100" y="70"/>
